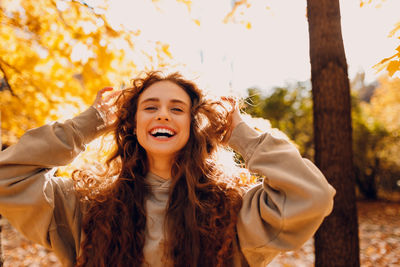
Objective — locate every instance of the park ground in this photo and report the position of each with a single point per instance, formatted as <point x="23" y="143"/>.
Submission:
<point x="379" y="223"/>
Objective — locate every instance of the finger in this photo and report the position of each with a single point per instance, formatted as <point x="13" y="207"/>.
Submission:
<point x="111" y="95"/>
<point x="232" y="101"/>
<point x="100" y="93"/>
<point x="103" y="90"/>
<point x="109" y="88"/>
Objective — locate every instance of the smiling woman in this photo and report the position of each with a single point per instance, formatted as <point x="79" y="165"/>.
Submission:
<point x="163" y="200"/>
<point x="163" y="124"/>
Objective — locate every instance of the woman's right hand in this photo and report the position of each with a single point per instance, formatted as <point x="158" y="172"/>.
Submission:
<point x="105" y="104"/>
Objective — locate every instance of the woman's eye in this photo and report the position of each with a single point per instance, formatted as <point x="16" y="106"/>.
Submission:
<point x="150" y="108"/>
<point x="177" y="109"/>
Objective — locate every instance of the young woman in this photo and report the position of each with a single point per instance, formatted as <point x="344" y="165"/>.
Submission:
<point x="163" y="200"/>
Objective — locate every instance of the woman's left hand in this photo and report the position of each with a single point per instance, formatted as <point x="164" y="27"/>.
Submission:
<point x="234" y="117"/>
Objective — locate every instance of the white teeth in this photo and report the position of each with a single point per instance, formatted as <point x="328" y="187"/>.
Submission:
<point x="161" y="130"/>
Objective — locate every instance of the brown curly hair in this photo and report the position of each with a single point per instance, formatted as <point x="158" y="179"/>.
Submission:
<point x="202" y="210"/>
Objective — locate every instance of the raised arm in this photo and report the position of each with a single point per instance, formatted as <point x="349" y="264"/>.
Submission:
<point x="42" y="207"/>
<point x="287" y="208"/>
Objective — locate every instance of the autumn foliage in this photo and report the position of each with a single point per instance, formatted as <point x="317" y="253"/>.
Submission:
<point x="54" y="57"/>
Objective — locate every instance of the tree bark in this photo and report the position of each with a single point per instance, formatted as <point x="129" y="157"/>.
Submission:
<point x="1" y="226"/>
<point x="336" y="242"/>
<point x="1" y="245"/>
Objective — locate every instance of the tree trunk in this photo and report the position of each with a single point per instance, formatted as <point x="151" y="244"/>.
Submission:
<point x="1" y="245"/>
<point x="1" y="226"/>
<point x="336" y="242"/>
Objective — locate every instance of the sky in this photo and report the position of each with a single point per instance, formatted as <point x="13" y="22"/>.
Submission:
<point x="272" y="52"/>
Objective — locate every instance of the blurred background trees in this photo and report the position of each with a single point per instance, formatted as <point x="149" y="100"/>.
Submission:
<point x="376" y="128"/>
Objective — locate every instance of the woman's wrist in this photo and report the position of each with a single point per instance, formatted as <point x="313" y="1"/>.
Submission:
<point x="102" y="116"/>
<point x="236" y="119"/>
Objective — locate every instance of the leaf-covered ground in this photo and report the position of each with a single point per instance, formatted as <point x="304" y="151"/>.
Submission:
<point x="379" y="242"/>
<point x="379" y="229"/>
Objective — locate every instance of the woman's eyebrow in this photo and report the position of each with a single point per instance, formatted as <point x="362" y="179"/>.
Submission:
<point x="155" y="99"/>
<point x="150" y="99"/>
<point x="178" y="101"/>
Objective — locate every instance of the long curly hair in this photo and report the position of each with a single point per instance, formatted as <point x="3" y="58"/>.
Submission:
<point x="203" y="205"/>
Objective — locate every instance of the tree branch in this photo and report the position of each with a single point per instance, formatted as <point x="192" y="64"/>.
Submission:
<point x="30" y="82"/>
<point x="229" y="16"/>
<point x="5" y="77"/>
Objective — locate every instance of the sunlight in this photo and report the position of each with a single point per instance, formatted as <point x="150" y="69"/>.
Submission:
<point x="80" y="52"/>
<point x="229" y="56"/>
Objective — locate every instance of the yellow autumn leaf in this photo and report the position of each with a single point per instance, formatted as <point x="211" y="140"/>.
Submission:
<point x="165" y="49"/>
<point x="383" y="61"/>
<point x="244" y="178"/>
<point x="393" y="66"/>
<point x="188" y="3"/>
<point x="382" y="64"/>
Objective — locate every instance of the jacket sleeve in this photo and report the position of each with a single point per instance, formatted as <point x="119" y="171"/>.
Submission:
<point x="288" y="207"/>
<point x="42" y="207"/>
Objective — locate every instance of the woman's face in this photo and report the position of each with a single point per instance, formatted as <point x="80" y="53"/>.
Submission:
<point x="163" y="119"/>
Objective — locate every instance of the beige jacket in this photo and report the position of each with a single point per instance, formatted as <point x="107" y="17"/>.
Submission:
<point x="278" y="215"/>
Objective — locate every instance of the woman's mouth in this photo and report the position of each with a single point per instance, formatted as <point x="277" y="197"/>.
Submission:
<point x="162" y="133"/>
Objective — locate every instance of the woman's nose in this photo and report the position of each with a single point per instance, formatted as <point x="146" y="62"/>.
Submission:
<point x="163" y="114"/>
